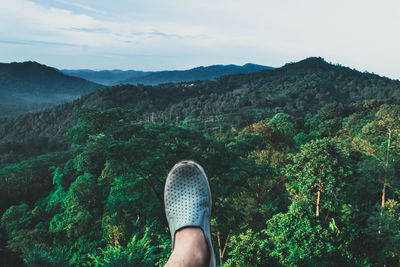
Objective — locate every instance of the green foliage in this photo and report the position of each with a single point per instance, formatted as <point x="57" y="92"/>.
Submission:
<point x="299" y="239"/>
<point x="29" y="180"/>
<point x="38" y="256"/>
<point x="318" y="174"/>
<point x="15" y="218"/>
<point x="142" y="250"/>
<point x="97" y="124"/>
<point x="22" y="232"/>
<point x="250" y="249"/>
<point x="384" y="228"/>
<point x="283" y="123"/>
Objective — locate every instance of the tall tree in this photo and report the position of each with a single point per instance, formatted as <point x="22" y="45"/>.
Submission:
<point x="380" y="140"/>
<point x="318" y="173"/>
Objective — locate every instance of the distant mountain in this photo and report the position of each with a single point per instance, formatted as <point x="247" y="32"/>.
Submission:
<point x="114" y="77"/>
<point x="195" y="74"/>
<point x="106" y="77"/>
<point x="30" y="86"/>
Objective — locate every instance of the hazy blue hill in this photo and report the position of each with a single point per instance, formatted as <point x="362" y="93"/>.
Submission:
<point x="195" y="74"/>
<point x="114" y="77"/>
<point x="106" y="77"/>
<point x="32" y="77"/>
<point x="31" y="86"/>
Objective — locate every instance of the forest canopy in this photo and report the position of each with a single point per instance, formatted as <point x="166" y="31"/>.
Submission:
<point x="304" y="173"/>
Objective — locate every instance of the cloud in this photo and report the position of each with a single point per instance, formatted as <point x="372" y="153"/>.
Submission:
<point x="81" y="6"/>
<point x="87" y="29"/>
<point x="181" y="33"/>
<point x="35" y="43"/>
<point x="31" y="21"/>
<point x="160" y="34"/>
<point x="72" y="39"/>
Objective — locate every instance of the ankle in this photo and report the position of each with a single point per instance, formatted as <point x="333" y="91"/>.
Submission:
<point x="190" y="247"/>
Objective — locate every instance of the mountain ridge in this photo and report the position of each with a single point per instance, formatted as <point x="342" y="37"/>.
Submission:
<point x="31" y="86"/>
<point x="244" y="98"/>
<point x="31" y="72"/>
<point x="115" y="77"/>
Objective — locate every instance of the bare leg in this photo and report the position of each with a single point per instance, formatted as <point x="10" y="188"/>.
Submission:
<point x="191" y="249"/>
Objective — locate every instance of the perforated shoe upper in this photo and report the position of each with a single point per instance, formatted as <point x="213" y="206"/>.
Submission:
<point x="187" y="200"/>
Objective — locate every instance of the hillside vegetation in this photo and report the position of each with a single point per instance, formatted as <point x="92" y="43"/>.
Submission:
<point x="303" y="163"/>
<point x="299" y="89"/>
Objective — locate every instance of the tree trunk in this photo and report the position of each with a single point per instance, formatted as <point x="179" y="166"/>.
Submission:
<point x="222" y="251"/>
<point x="386" y="169"/>
<point x="318" y="198"/>
<point x="383" y="194"/>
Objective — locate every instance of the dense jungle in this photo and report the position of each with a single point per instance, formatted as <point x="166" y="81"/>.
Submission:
<point x="303" y="163"/>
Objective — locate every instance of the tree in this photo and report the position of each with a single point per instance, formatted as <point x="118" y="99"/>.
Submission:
<point x="380" y="140"/>
<point x="318" y="173"/>
<point x="250" y="249"/>
<point x="386" y="250"/>
<point x="299" y="239"/>
<point x="283" y="123"/>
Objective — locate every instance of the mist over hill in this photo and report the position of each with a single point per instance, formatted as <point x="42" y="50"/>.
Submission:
<point x="115" y="77"/>
<point x="30" y="86"/>
<point x="106" y="77"/>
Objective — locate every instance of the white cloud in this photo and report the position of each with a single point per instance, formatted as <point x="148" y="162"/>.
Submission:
<point x="184" y="33"/>
<point x="81" y="6"/>
<point x="30" y="21"/>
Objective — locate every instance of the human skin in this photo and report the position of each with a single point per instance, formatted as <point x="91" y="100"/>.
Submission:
<point x="190" y="249"/>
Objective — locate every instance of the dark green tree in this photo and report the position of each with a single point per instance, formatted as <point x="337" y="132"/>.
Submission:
<point x="318" y="173"/>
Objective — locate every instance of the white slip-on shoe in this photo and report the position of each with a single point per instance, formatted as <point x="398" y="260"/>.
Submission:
<point x="187" y="200"/>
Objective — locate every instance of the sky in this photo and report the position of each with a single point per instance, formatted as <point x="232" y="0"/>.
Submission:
<point x="181" y="34"/>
